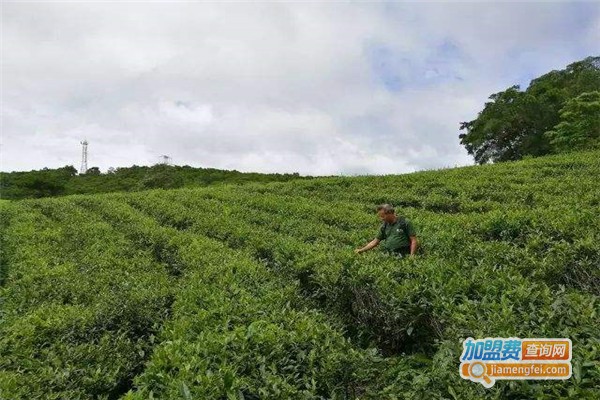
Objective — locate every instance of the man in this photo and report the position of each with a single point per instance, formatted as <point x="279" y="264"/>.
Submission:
<point x="397" y="233"/>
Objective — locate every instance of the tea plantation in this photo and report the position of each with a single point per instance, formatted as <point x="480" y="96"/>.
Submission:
<point x="254" y="291"/>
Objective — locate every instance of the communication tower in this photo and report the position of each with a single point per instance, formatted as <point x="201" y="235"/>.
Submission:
<point x="84" y="145"/>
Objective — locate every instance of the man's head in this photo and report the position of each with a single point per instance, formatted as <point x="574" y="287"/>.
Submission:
<point x="386" y="213"/>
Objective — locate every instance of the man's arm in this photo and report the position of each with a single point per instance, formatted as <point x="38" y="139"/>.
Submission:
<point x="369" y="246"/>
<point x="413" y="245"/>
<point x="412" y="236"/>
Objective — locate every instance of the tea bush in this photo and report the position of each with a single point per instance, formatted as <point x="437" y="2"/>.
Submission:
<point x="254" y="291"/>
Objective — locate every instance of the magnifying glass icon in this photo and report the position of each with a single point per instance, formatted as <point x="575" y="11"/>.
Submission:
<point x="477" y="371"/>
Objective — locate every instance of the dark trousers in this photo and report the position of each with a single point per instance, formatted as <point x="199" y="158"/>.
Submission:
<point x="402" y="252"/>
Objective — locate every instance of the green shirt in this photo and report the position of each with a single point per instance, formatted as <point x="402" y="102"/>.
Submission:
<point x="394" y="236"/>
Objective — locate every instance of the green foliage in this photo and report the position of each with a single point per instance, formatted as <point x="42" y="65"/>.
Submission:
<point x="580" y="124"/>
<point x="162" y="180"/>
<point x="65" y="181"/>
<point x="35" y="184"/>
<point x="514" y="123"/>
<point x="78" y="311"/>
<point x="254" y="291"/>
<point x="93" y="171"/>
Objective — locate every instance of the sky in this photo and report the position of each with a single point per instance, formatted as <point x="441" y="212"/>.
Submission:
<point x="340" y="88"/>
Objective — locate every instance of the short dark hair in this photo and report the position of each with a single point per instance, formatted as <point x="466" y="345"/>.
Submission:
<point x="387" y="208"/>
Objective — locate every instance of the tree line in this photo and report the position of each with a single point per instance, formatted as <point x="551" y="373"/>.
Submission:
<point x="65" y="181"/>
<point x="558" y="112"/>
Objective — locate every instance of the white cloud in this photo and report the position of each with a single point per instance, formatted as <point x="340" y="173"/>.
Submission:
<point x="318" y="89"/>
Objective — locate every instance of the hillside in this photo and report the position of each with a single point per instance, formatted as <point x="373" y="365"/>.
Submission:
<point x="65" y="181"/>
<point x="255" y="292"/>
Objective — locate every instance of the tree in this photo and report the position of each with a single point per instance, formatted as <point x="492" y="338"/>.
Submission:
<point x="43" y="184"/>
<point x="580" y="124"/>
<point x="161" y="176"/>
<point x="514" y="123"/>
<point x="503" y="129"/>
<point x="93" y="171"/>
<point x="69" y="170"/>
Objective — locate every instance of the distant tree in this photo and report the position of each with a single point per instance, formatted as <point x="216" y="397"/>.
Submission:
<point x="42" y="184"/>
<point x="161" y="176"/>
<point x="580" y="124"/>
<point x="514" y="123"/>
<point x="66" y="180"/>
<point x="93" y="171"/>
<point x="69" y="170"/>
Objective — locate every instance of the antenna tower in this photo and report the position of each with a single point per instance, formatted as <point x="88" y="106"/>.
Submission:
<point x="84" y="145"/>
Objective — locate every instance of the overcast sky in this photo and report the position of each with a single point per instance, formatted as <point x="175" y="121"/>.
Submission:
<point x="271" y="87"/>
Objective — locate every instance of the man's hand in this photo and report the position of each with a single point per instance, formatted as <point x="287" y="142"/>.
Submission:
<point x="369" y="246"/>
